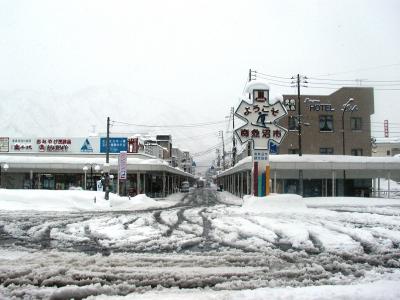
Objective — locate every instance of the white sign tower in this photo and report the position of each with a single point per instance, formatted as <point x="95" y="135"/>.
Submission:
<point x="261" y="126"/>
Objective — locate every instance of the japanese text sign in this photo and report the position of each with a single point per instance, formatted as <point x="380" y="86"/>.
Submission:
<point x="122" y="164"/>
<point x="116" y="145"/>
<point x="261" y="123"/>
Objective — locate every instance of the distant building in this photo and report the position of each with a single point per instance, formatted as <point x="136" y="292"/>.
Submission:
<point x="386" y="147"/>
<point x="187" y="162"/>
<point x="165" y="141"/>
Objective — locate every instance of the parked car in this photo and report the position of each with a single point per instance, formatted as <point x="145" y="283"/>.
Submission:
<point x="185" y="187"/>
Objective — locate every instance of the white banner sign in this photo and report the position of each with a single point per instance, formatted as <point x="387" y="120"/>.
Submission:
<point x="122" y="164"/>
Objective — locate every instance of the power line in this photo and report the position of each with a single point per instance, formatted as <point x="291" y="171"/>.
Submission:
<point x="351" y="80"/>
<point x="275" y="80"/>
<point x="273" y="76"/>
<point x="347" y="84"/>
<point x="362" y="69"/>
<point x="208" y="134"/>
<point x="168" y="126"/>
<point x="328" y="82"/>
<point x="332" y="88"/>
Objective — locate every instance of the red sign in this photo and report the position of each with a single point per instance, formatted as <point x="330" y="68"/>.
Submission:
<point x="53" y="145"/>
<point x="386" y="128"/>
<point x="133" y="145"/>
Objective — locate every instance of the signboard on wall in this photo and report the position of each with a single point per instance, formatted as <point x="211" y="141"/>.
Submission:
<point x="60" y="145"/>
<point x="117" y="144"/>
<point x="4" y="145"/>
<point x="386" y="128"/>
<point x="54" y="145"/>
<point x="21" y="144"/>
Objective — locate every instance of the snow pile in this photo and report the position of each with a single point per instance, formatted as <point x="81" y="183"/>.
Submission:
<point x="273" y="202"/>
<point x="383" y="289"/>
<point x="350" y="202"/>
<point x="75" y="200"/>
<point x="228" y="198"/>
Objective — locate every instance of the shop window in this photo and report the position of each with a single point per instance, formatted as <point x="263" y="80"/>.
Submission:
<point x="326" y="123"/>
<point x="356" y="124"/>
<point x="357" y="152"/>
<point x="293" y="123"/>
<point x="327" y="151"/>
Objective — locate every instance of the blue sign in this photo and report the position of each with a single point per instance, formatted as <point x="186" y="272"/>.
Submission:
<point x="116" y="145"/>
<point x="273" y="148"/>
<point x="86" y="147"/>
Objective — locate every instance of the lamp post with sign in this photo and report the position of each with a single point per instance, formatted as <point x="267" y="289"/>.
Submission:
<point x="4" y="166"/>
<point x="261" y="126"/>
<point x="346" y="107"/>
<point x="85" y="169"/>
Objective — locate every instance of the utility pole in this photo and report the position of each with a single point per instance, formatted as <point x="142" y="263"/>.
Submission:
<point x="107" y="178"/>
<point x="218" y="158"/>
<point x="299" y="112"/>
<point x="223" y="150"/>
<point x="233" y="138"/>
<point x="299" y="121"/>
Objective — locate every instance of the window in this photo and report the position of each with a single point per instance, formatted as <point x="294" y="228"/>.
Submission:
<point x="388" y="152"/>
<point x="357" y="152"/>
<point x="328" y="151"/>
<point x="326" y="123"/>
<point x="260" y="96"/>
<point x="293" y="151"/>
<point x="356" y="123"/>
<point x="293" y="123"/>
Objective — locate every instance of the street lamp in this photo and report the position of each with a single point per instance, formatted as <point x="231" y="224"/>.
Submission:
<point x="86" y="168"/>
<point x="346" y="107"/>
<point x="5" y="166"/>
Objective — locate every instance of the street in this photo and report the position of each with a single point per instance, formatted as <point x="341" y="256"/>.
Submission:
<point x="199" y="243"/>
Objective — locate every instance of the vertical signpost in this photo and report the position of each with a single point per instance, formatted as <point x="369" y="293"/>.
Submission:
<point x="386" y="128"/>
<point x="261" y="127"/>
<point x="122" y="170"/>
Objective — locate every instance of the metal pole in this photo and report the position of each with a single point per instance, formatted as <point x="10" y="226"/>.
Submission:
<point x="233" y="138"/>
<point x="85" y="180"/>
<point x="299" y="125"/>
<point x="344" y="152"/>
<point x="107" y="175"/>
<point x="223" y="150"/>
<point x="91" y="177"/>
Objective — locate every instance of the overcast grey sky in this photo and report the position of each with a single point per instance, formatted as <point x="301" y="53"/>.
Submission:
<point x="197" y="53"/>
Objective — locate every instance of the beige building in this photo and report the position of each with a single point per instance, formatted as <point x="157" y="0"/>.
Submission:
<point x="324" y="120"/>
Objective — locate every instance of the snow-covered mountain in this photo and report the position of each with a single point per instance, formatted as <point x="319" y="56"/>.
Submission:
<point x="32" y="113"/>
<point x="27" y="113"/>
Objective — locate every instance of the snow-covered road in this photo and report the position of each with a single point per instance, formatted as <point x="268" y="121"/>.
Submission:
<point x="202" y="242"/>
